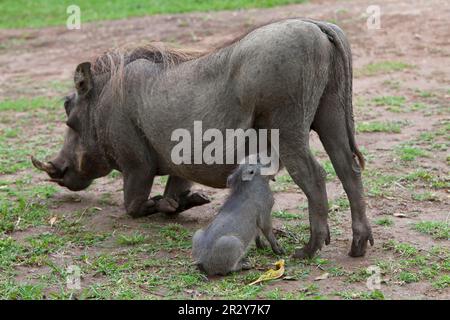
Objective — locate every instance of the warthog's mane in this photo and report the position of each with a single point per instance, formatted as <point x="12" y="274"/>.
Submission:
<point x="112" y="61"/>
<point x="111" y="64"/>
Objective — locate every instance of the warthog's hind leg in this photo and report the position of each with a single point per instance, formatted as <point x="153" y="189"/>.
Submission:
<point x="310" y="177"/>
<point x="331" y="127"/>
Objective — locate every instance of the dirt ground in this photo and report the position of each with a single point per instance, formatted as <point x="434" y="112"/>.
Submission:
<point x="401" y="83"/>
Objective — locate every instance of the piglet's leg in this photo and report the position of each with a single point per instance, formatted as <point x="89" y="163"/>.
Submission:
<point x="267" y="230"/>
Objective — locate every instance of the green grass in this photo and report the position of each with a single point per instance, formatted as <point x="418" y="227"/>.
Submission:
<point x="386" y="222"/>
<point x="410" y="153"/>
<point x="32" y="14"/>
<point x="16" y="143"/>
<point x="162" y="181"/>
<point x="428" y="178"/>
<point x="282" y="214"/>
<point x="408" y="277"/>
<point x="11" y="251"/>
<point x="131" y="240"/>
<point x="361" y="295"/>
<point x="379" y="184"/>
<point x="358" y="276"/>
<point x="436" y="229"/>
<point x="419" y="174"/>
<point x="419" y="106"/>
<point x="382" y="67"/>
<point x="412" y="264"/>
<point x="435" y="140"/>
<point x="442" y="282"/>
<point x="15" y="152"/>
<point x="395" y="103"/>
<point x="21" y="206"/>
<point x="339" y="204"/>
<point x="404" y="249"/>
<point x="398" y="104"/>
<point x="176" y="236"/>
<point x="15" y="291"/>
<point x="379" y="126"/>
<point x="310" y="292"/>
<point x="329" y="169"/>
<point x="425" y="94"/>
<point x="27" y="104"/>
<point x="283" y="182"/>
<point x="393" y="84"/>
<point x="10" y="132"/>
<point x="425" y="196"/>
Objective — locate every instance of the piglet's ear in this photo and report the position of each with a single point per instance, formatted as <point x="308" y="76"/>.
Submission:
<point x="230" y="180"/>
<point x="83" y="78"/>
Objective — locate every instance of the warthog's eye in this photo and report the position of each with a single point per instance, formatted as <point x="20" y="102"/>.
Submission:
<point x="67" y="108"/>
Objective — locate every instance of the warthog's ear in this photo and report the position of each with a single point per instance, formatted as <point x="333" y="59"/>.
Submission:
<point x="83" y="78"/>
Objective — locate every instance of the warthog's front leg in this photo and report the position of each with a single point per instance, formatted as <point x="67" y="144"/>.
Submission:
<point x="259" y="241"/>
<point x="179" y="189"/>
<point x="137" y="187"/>
<point x="265" y="225"/>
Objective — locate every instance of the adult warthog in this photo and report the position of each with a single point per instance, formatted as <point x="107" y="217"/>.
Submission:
<point x="293" y="75"/>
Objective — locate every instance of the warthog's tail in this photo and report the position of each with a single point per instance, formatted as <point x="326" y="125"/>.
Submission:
<point x="344" y="76"/>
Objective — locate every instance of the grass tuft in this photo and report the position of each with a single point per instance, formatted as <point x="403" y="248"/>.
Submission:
<point x="382" y="67"/>
<point x="436" y="229"/>
<point x="380" y="126"/>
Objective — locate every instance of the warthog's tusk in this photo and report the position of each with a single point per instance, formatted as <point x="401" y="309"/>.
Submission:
<point x="47" y="166"/>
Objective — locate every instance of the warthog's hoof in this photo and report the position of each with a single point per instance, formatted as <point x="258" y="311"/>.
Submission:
<point x="303" y="253"/>
<point x="359" y="243"/>
<point x="315" y="243"/>
<point x="196" y="199"/>
<point x="166" y="205"/>
<point x="278" y="250"/>
<point x="190" y="199"/>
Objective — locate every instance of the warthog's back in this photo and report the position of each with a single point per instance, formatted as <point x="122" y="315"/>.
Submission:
<point x="274" y="67"/>
<point x="275" y="59"/>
